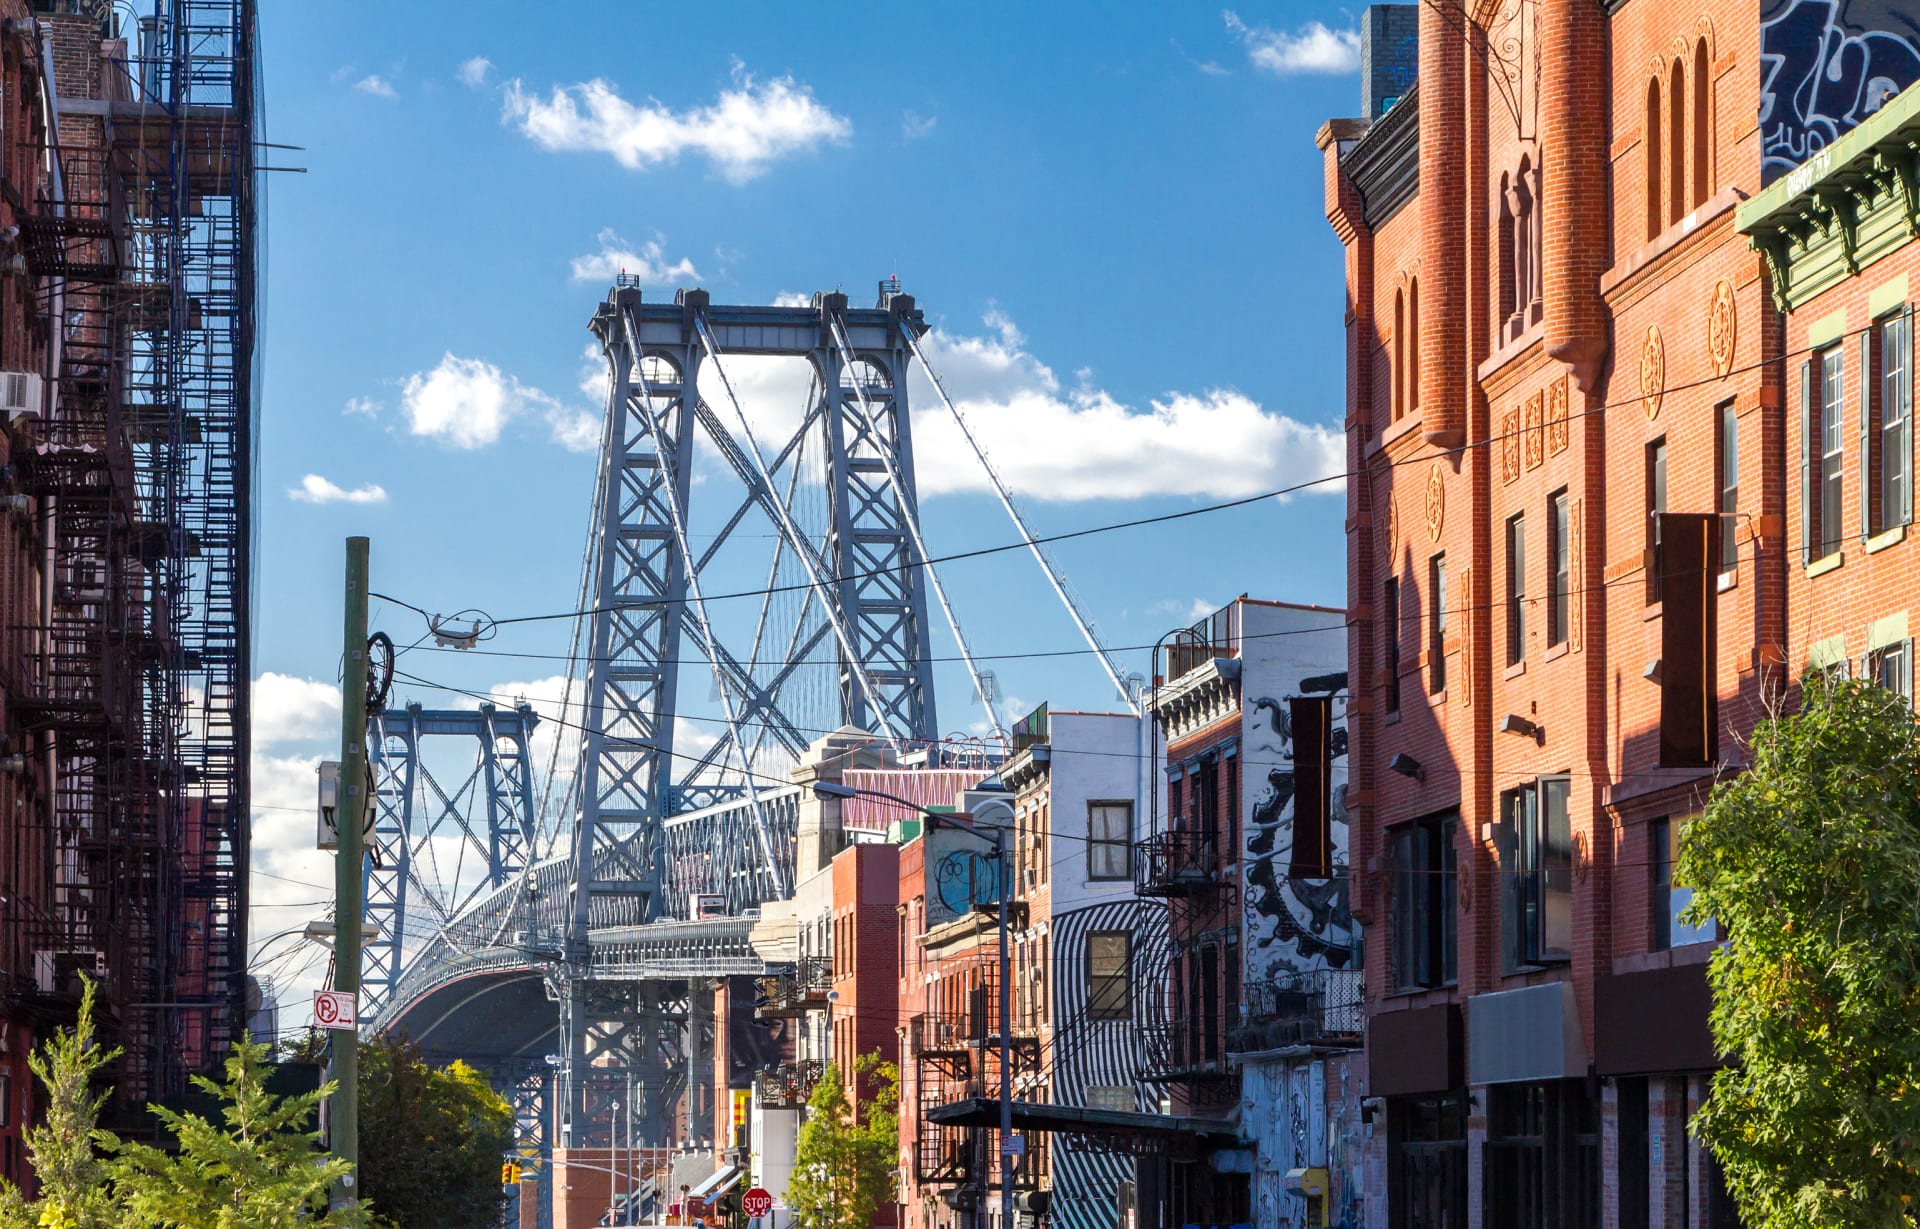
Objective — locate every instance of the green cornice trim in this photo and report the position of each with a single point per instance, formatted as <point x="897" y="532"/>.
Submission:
<point x="1843" y="209"/>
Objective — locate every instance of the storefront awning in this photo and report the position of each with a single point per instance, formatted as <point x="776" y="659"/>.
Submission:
<point x="723" y="1177"/>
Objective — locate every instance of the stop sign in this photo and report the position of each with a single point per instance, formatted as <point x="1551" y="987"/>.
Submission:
<point x="756" y="1202"/>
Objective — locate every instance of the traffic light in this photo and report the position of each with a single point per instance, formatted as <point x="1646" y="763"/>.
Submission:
<point x="509" y="1173"/>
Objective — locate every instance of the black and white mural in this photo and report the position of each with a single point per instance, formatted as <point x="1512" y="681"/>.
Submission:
<point x="1097" y="1063"/>
<point x="1826" y="65"/>
<point x="1292" y="925"/>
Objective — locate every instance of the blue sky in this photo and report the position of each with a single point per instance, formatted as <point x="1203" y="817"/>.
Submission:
<point x="1113" y="217"/>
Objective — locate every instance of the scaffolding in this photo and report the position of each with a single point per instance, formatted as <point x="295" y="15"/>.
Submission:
<point x="143" y="242"/>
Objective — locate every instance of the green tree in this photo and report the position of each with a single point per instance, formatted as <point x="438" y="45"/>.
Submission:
<point x="432" y="1140"/>
<point x="1811" y="863"/>
<point x="68" y="1149"/>
<point x="264" y="1170"/>
<point x="844" y="1159"/>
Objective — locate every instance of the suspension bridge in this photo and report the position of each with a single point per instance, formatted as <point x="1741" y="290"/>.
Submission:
<point x="570" y="948"/>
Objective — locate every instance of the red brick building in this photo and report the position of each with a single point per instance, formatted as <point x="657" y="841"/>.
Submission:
<point x="1571" y="396"/>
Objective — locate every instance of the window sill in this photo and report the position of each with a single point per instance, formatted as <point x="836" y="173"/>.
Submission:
<point x="1414" y="992"/>
<point x="1436" y="698"/>
<point x="1517" y="669"/>
<point x="1558" y="651"/>
<point x="1885" y="538"/>
<point x="1652" y="612"/>
<point x="1820" y="567"/>
<point x="1392" y="718"/>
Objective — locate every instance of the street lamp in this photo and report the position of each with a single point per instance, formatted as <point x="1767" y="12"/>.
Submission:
<point x="996" y="837"/>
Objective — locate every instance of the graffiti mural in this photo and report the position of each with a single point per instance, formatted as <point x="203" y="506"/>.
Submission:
<point x="1292" y="924"/>
<point x="1826" y="65"/>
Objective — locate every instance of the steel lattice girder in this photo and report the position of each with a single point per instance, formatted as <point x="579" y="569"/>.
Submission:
<point x="502" y="772"/>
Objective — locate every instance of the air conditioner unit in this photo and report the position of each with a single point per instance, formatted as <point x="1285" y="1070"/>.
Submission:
<point x="53" y="971"/>
<point x="20" y="395"/>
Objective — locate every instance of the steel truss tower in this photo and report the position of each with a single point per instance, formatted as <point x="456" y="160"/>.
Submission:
<point x="420" y="824"/>
<point x="859" y="567"/>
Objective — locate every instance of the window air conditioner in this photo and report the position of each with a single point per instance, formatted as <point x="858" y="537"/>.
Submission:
<point x="20" y="395"/>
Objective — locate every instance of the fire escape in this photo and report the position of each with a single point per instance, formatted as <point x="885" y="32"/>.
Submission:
<point x="142" y="244"/>
<point x="956" y="1057"/>
<point x="1191" y="868"/>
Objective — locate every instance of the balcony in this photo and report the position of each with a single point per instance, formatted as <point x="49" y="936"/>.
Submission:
<point x="796" y="991"/>
<point x="944" y="1035"/>
<point x="1317" y="1007"/>
<point x="1189" y="1055"/>
<point x="1174" y="864"/>
<point x="787" y="1086"/>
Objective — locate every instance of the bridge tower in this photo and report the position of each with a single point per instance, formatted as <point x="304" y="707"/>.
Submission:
<point x="836" y="495"/>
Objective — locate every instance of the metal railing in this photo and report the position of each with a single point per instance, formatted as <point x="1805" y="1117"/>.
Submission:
<point x="787" y="1086"/>
<point x="1179" y="863"/>
<point x="793" y="991"/>
<point x="1310" y="1007"/>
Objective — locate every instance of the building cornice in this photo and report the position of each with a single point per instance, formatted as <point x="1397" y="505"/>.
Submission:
<point x="1028" y="769"/>
<point x="1844" y="208"/>
<point x="1198" y="698"/>
<point x="1384" y="165"/>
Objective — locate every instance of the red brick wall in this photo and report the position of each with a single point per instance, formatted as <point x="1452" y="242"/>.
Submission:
<point x="1604" y="286"/>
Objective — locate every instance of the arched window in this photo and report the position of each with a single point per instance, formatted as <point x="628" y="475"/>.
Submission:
<point x="1401" y="357"/>
<point x="1701" y="127"/>
<point x="1677" y="144"/>
<point x="1656" y="203"/>
<point x="1507" y="305"/>
<point x="1413" y="345"/>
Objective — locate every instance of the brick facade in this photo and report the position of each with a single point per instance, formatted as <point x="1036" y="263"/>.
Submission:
<point x="1590" y="331"/>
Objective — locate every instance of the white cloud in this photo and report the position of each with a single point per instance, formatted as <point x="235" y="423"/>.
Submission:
<point x="1313" y="48"/>
<point x="1188" y="612"/>
<point x="748" y="127"/>
<point x="467" y="402"/>
<point x="286" y="708"/>
<point x="648" y="265"/>
<point x="915" y="126"/>
<point x="473" y="73"/>
<point x="365" y="407"/>
<point x="378" y="86"/>
<point x="1052" y="443"/>
<point x="792" y="298"/>
<point x="314" y="489"/>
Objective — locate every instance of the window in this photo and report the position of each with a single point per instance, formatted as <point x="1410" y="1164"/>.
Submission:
<point x="1669" y="897"/>
<point x="1109" y="983"/>
<point x="1437" y="622"/>
<point x="1516" y="590"/>
<point x="1655" y="203"/>
<point x="1424" y="920"/>
<point x="1727" y="467"/>
<point x="1390" y="641"/>
<point x="1536" y="852"/>
<point x="1399" y="359"/>
<point x="1891" y="666"/>
<point x="1702" y="108"/>
<point x="1110" y="840"/>
<point x="1827" y="515"/>
<point x="1889" y="434"/>
<point x="1413" y="345"/>
<point x="1656" y="504"/>
<point x="1559" y="557"/>
<point x="1677" y="144"/>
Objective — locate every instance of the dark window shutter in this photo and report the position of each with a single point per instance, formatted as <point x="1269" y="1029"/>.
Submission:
<point x="1806" y="463"/>
<point x="1903" y="515"/>
<point x="1865" y="355"/>
<point x="1312" y="721"/>
<point x="1689" y="639"/>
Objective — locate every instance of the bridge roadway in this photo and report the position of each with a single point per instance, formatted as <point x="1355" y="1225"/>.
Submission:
<point x="486" y="985"/>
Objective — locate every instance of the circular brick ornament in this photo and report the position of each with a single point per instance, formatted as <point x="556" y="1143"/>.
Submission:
<point x="1653" y="371"/>
<point x="1723" y="328"/>
<point x="1436" y="500"/>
